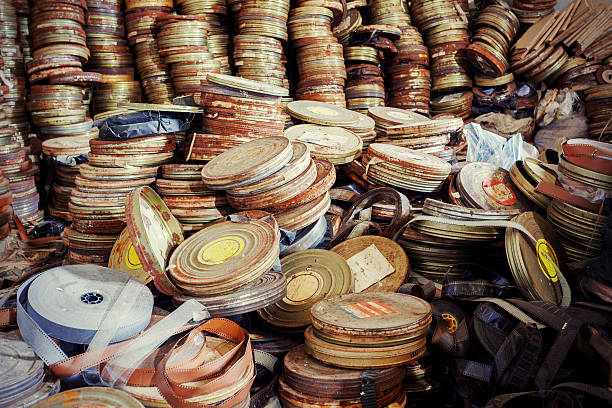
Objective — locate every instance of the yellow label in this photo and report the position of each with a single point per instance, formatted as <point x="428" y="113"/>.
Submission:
<point x="322" y="110"/>
<point x="131" y="258"/>
<point x="303" y="286"/>
<point x="547" y="260"/>
<point x="220" y="250"/>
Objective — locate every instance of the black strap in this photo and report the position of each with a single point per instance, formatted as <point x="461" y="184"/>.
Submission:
<point x="562" y="395"/>
<point x="261" y="398"/>
<point x="477" y="281"/>
<point x="567" y="328"/>
<point x="489" y="315"/>
<point x="476" y="288"/>
<point x="593" y="314"/>
<point x="517" y="359"/>
<point x="594" y="290"/>
<point x="476" y="271"/>
<point x="386" y="194"/>
<point x="556" y="399"/>
<point x="413" y="289"/>
<point x="428" y="286"/>
<point x="516" y="351"/>
<point x="597" y="392"/>
<point x="602" y="345"/>
<point x="368" y="388"/>
<point x="550" y="314"/>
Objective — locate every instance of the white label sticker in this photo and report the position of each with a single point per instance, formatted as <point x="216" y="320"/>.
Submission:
<point x="369" y="267"/>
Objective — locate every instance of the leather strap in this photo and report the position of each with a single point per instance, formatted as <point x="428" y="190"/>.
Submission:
<point x="8" y="317"/>
<point x="171" y="379"/>
<point x="365" y="201"/>
<point x="8" y="308"/>
<point x="47" y="349"/>
<point x="592" y="157"/>
<point x="74" y="365"/>
<point x="562" y="194"/>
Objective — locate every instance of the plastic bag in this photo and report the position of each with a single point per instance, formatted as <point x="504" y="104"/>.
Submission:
<point x="569" y="127"/>
<point x="51" y="228"/>
<point x="145" y="123"/>
<point x="586" y="191"/>
<point x="485" y="146"/>
<point x="507" y="125"/>
<point x="67" y="161"/>
<point x="556" y="104"/>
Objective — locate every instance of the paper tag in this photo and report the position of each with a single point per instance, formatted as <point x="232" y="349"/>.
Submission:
<point x="364" y="310"/>
<point x="499" y="191"/>
<point x="368" y="267"/>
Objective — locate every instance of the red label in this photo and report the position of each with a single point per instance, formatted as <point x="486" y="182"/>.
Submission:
<point x="499" y="191"/>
